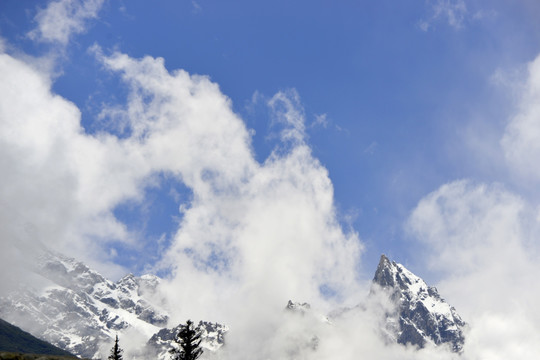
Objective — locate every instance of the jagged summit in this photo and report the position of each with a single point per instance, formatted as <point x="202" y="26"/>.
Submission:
<point x="297" y="306"/>
<point x="384" y="275"/>
<point x="421" y="315"/>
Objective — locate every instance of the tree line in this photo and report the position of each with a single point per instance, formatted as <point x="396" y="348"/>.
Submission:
<point x="188" y="340"/>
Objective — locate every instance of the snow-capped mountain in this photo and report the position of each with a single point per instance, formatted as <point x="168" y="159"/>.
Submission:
<point x="78" y="310"/>
<point x="421" y="315"/>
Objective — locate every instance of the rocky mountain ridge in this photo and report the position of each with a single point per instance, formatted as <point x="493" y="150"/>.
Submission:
<point x="79" y="310"/>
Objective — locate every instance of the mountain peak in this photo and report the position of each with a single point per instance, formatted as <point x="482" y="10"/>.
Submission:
<point x="384" y="276"/>
<point x="390" y="274"/>
<point x="423" y="316"/>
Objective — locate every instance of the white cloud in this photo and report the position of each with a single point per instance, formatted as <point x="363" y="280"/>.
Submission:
<point x="481" y="239"/>
<point x="63" y="18"/>
<point x="56" y="179"/>
<point x="67" y="183"/>
<point x="485" y="214"/>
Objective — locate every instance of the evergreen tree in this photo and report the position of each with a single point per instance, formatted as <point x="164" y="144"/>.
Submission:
<point x="116" y="352"/>
<point x="189" y="339"/>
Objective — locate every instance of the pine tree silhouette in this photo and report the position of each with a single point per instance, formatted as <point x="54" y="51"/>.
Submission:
<point x="116" y="351"/>
<point x="189" y="339"/>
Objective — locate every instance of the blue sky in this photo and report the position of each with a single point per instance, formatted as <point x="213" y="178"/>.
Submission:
<point x="271" y="150"/>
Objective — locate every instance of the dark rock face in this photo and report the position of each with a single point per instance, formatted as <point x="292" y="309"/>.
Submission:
<point x="423" y="316"/>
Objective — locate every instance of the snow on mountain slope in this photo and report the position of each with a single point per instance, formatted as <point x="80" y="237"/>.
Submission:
<point x="78" y="309"/>
<point x="421" y="315"/>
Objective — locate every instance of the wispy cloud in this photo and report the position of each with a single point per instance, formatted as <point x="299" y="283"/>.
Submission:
<point x="197" y="8"/>
<point x="370" y="150"/>
<point x="321" y="120"/>
<point x="452" y="12"/>
<point x="288" y="112"/>
<point x="62" y="19"/>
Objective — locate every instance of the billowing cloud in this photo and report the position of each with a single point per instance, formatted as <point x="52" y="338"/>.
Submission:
<point x="62" y="19"/>
<point x="56" y="183"/>
<point x="65" y="183"/>
<point x="480" y="238"/>
<point x="254" y="235"/>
